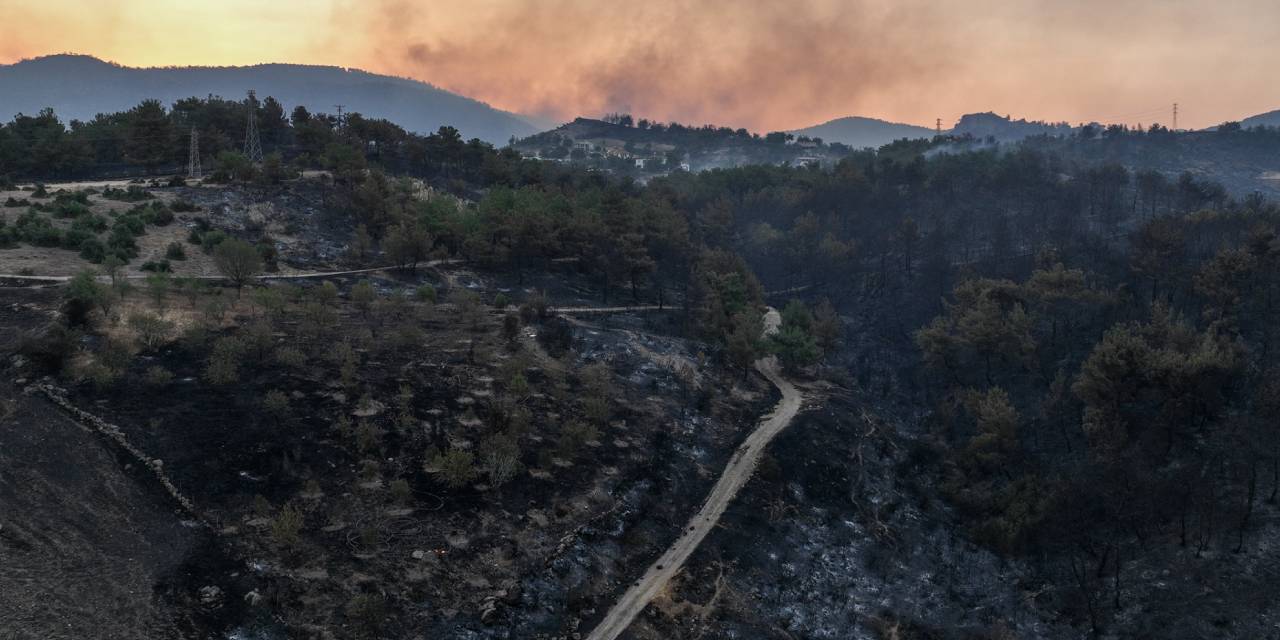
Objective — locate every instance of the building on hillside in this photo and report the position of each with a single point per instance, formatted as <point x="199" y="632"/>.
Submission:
<point x="807" y="161"/>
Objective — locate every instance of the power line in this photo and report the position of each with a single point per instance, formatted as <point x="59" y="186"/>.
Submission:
<point x="252" y="145"/>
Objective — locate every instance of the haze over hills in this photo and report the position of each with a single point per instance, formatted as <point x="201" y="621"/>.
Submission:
<point x="80" y="87"/>
<point x="859" y="132"/>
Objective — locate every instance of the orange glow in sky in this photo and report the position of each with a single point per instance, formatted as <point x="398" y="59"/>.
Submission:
<point x="762" y="64"/>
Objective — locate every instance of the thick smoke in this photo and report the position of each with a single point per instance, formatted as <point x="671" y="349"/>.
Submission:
<point x="753" y="63"/>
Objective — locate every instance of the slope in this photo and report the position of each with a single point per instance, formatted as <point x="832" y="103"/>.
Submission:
<point x="80" y="87"/>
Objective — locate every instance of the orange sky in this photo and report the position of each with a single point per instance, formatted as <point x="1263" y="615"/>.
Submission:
<point x="763" y="64"/>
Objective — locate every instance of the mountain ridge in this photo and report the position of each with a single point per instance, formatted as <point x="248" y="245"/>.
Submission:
<point x="860" y="131"/>
<point x="79" y="86"/>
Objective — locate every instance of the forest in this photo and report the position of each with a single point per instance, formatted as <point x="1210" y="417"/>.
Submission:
<point x="1093" y="343"/>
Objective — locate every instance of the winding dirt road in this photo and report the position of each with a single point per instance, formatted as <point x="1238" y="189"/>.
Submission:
<point x="735" y="476"/>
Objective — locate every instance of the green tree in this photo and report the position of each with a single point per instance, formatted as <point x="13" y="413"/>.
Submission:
<point x="407" y="244"/>
<point x="150" y="136"/>
<point x="237" y="261"/>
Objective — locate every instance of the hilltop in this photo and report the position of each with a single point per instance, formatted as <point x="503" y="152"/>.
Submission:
<point x="1268" y="119"/>
<point x="859" y="132"/>
<point x="622" y="145"/>
<point x="79" y="87"/>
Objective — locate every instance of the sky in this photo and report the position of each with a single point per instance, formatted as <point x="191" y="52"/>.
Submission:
<point x="761" y="64"/>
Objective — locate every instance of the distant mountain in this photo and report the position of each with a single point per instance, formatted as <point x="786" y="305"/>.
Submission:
<point x="1003" y="128"/>
<point x="80" y="87"/>
<point x="859" y="132"/>
<point x="1268" y="119"/>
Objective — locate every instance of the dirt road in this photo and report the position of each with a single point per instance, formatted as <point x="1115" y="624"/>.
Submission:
<point x="736" y="473"/>
<point x="297" y="275"/>
<point x="586" y="310"/>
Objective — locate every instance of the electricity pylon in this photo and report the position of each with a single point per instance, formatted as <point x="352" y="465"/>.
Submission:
<point x="252" y="145"/>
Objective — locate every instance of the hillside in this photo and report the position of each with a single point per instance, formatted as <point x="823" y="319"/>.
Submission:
<point x="859" y="132"/>
<point x="656" y="148"/>
<point x="1268" y="119"/>
<point x="80" y="87"/>
<point x="1004" y="128"/>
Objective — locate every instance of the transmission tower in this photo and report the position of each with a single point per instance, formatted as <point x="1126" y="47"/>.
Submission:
<point x="252" y="145"/>
<point x="1175" y="116"/>
<point x="193" y="159"/>
<point x="339" y="107"/>
<point x="938" y="124"/>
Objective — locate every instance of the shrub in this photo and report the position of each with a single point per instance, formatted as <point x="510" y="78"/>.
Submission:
<point x="501" y="455"/>
<point x="133" y="193"/>
<point x="286" y="527"/>
<point x="426" y="293"/>
<point x="368" y="437"/>
<point x="401" y="492"/>
<point x="122" y="245"/>
<point x="501" y="301"/>
<point x="90" y="222"/>
<point x="510" y="327"/>
<point x="573" y="436"/>
<point x="456" y="467"/>
<point x="176" y="181"/>
<point x="175" y="251"/>
<point x="50" y="350"/>
<point x="152" y="330"/>
<point x="276" y="404"/>
<point x="36" y="229"/>
<point x="161" y="266"/>
<point x="291" y="358"/>
<point x="210" y="240"/>
<point x="184" y="206"/>
<point x="224" y="362"/>
<point x="82" y="295"/>
<point x="70" y="209"/>
<point x="73" y="238"/>
<point x="160" y="215"/>
<point x="158" y="376"/>
<point x="130" y="223"/>
<point x="13" y="203"/>
<point x="368" y="611"/>
<point x="102" y="376"/>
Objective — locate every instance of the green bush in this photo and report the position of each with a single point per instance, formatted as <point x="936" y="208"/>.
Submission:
<point x="182" y="205"/>
<point x="90" y="222"/>
<point x="33" y="228"/>
<point x="70" y="209"/>
<point x="74" y="238"/>
<point x="131" y="223"/>
<point x="133" y="193"/>
<point x="457" y="467"/>
<point x="152" y="213"/>
<point x="93" y="250"/>
<point x="121" y="244"/>
<point x="211" y="239"/>
<point x="161" y="266"/>
<point x="175" y="251"/>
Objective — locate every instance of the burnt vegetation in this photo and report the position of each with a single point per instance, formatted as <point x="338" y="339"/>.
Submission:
<point x="1084" y="353"/>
